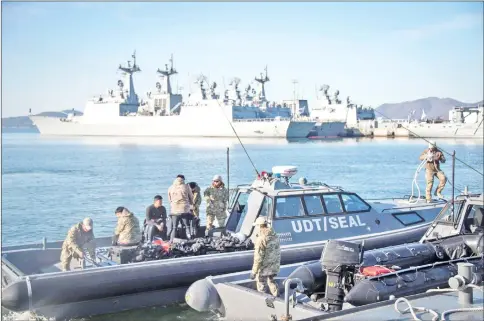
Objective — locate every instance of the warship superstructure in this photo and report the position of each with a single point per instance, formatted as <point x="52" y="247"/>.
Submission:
<point x="354" y="120"/>
<point x="163" y="113"/>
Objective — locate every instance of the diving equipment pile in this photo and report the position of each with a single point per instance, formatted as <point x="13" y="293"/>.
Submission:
<point x="158" y="250"/>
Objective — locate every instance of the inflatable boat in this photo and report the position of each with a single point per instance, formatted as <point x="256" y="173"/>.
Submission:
<point x="349" y="275"/>
<point x="303" y="216"/>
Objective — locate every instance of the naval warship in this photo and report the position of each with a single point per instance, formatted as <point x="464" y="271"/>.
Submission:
<point x="464" y="121"/>
<point x="163" y="113"/>
<point x="355" y="120"/>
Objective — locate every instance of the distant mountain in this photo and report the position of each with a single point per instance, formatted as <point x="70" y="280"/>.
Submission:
<point x="25" y="122"/>
<point x="434" y="108"/>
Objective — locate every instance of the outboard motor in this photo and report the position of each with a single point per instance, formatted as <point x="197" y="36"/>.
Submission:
<point x="340" y="260"/>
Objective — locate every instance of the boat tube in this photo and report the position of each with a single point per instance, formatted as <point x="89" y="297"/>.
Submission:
<point x="32" y="280"/>
<point x="352" y="274"/>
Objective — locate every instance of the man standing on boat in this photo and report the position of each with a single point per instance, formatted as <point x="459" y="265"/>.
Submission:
<point x="80" y="235"/>
<point x="216" y="197"/>
<point x="197" y="200"/>
<point x="267" y="257"/>
<point x="127" y="230"/>
<point x="155" y="222"/>
<point x="181" y="200"/>
<point x="434" y="157"/>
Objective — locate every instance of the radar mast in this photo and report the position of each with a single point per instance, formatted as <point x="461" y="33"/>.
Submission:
<point x="166" y="75"/>
<point x="129" y="71"/>
<point x="262" y="80"/>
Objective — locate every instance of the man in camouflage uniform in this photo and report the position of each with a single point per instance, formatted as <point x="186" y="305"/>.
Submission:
<point x="197" y="201"/>
<point x="432" y="168"/>
<point x="267" y="257"/>
<point x="80" y="235"/>
<point x="216" y="197"/>
<point x="127" y="230"/>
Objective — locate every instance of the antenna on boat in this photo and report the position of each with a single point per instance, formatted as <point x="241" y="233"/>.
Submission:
<point x="228" y="175"/>
<point x="236" y="135"/>
<point x="418" y="136"/>
<point x="453" y="187"/>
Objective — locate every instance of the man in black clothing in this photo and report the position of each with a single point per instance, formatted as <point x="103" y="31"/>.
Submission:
<point x="155" y="222"/>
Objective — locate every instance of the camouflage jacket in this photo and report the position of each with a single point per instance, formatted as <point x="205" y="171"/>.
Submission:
<point x="216" y="199"/>
<point x="77" y="238"/>
<point x="435" y="165"/>
<point x="267" y="253"/>
<point x="128" y="230"/>
<point x="197" y="198"/>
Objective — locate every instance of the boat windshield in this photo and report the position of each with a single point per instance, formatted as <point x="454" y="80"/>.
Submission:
<point x="445" y="215"/>
<point x="238" y="211"/>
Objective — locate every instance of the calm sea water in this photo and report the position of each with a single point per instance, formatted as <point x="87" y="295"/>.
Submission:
<point x="48" y="183"/>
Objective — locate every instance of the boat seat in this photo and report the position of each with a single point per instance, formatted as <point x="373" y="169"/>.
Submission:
<point x="476" y="221"/>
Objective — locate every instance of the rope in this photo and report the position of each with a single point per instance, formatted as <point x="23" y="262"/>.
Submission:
<point x="436" y="317"/>
<point x="412" y="310"/>
<point x="29" y="293"/>
<point x="445" y="313"/>
<point x="450" y="154"/>
<point x="414" y="182"/>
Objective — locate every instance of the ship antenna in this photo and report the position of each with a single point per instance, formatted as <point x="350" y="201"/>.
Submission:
<point x="236" y="135"/>
<point x="418" y="136"/>
<point x="453" y="187"/>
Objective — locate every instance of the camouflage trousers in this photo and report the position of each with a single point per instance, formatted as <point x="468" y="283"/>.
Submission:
<point x="67" y="255"/>
<point x="263" y="280"/>
<point x="66" y="258"/>
<point x="196" y="211"/>
<point x="220" y="219"/>
<point x="429" y="178"/>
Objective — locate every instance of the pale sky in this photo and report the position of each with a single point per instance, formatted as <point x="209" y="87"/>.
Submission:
<point x="56" y="55"/>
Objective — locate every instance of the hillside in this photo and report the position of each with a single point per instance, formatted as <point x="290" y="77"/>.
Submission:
<point x="25" y="122"/>
<point x="434" y="107"/>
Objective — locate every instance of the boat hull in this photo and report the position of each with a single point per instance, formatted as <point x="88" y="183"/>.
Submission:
<point x="328" y="130"/>
<point x="52" y="290"/>
<point x="172" y="126"/>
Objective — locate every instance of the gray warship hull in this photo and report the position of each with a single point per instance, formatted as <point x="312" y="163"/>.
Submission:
<point x="173" y="126"/>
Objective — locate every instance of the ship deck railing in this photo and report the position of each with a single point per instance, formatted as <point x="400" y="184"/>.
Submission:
<point x="273" y="119"/>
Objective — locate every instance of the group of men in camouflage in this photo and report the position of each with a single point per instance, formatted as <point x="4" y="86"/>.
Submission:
<point x="185" y="201"/>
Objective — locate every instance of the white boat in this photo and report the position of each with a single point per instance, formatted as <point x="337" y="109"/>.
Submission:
<point x="203" y="114"/>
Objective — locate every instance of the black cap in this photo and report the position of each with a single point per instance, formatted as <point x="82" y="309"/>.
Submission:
<point x="192" y="184"/>
<point x="181" y="176"/>
<point x="119" y="209"/>
<point x="158" y="197"/>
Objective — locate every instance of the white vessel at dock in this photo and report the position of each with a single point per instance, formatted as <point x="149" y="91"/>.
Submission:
<point x="464" y="122"/>
<point x="350" y="119"/>
<point x="203" y="114"/>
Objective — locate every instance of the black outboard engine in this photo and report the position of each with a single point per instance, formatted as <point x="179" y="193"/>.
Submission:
<point x="340" y="260"/>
